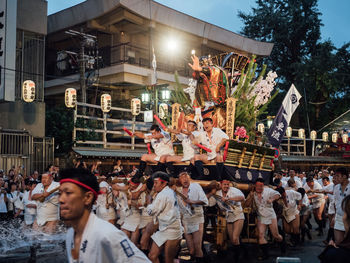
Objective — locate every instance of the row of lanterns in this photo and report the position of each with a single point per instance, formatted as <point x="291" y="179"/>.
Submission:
<point x="70" y="99"/>
<point x="313" y="134"/>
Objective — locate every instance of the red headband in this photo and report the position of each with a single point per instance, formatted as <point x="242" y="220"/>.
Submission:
<point x="80" y="184"/>
<point x="161" y="180"/>
<point x="131" y="182"/>
<point x="260" y="183"/>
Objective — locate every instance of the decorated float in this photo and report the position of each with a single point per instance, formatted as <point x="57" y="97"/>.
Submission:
<point x="228" y="89"/>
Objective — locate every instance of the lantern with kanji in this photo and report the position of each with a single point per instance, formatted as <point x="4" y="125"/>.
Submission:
<point x="28" y="91"/>
<point x="70" y="97"/>
<point x="106" y="102"/>
<point x="135" y="106"/>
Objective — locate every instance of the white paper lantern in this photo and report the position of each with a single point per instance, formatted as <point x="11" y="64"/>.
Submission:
<point x="163" y="110"/>
<point x="325" y="136"/>
<point x="313" y="135"/>
<point x="289" y="132"/>
<point x="261" y="128"/>
<point x="28" y="91"/>
<point x="135" y="106"/>
<point x="301" y="133"/>
<point x="70" y="97"/>
<point x="345" y="138"/>
<point x="334" y="137"/>
<point x="106" y="102"/>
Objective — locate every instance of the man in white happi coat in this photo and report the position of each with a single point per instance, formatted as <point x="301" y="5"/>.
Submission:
<point x="47" y="211"/>
<point x="161" y="144"/>
<point x="315" y="193"/>
<point x="292" y="175"/>
<point x="189" y="149"/>
<point x="91" y="239"/>
<point x="291" y="220"/>
<point x="212" y="138"/>
<point x="341" y="190"/>
<point x="192" y="219"/>
<point x="264" y="198"/>
<point x="29" y="204"/>
<point x="235" y="217"/>
<point x="105" y="205"/>
<point x="165" y="210"/>
<point x="132" y="221"/>
<point x="328" y="189"/>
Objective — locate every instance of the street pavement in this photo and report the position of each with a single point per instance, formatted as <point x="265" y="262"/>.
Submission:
<point x="307" y="252"/>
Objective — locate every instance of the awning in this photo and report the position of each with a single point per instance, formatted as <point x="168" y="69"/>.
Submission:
<point x="313" y="159"/>
<point x="108" y="153"/>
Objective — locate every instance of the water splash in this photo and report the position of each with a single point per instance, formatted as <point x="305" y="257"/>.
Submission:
<point x="19" y="242"/>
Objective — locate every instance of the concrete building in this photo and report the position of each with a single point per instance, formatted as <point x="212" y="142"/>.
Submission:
<point x="125" y="35"/>
<point x="22" y="124"/>
<point x="127" y="31"/>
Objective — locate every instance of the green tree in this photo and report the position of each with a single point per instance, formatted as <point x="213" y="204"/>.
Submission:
<point x="59" y="125"/>
<point x="319" y="71"/>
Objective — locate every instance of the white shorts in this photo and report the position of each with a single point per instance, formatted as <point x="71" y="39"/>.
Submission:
<point x="290" y="218"/>
<point x="318" y="203"/>
<point x="191" y="224"/>
<point x="29" y="219"/>
<point x="132" y="222"/>
<point x="233" y="217"/>
<point x="172" y="232"/>
<point x="266" y="220"/>
<point x="145" y="220"/>
<point x="339" y="224"/>
<point x="331" y="210"/>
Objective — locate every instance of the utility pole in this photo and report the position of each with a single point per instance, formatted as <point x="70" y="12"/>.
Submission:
<point x="86" y="40"/>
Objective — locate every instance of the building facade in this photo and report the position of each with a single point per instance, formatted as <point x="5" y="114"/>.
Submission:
<point x="22" y="124"/>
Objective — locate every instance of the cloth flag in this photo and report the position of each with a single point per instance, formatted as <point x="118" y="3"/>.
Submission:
<point x="283" y="117"/>
<point x="154" y="66"/>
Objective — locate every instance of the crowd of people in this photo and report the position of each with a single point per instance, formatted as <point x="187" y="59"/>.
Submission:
<point x="130" y="217"/>
<point x="156" y="214"/>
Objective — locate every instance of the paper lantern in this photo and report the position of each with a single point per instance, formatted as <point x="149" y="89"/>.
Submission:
<point x="261" y="128"/>
<point x="334" y="137"/>
<point x="70" y="97"/>
<point x="301" y="133"/>
<point x="163" y="110"/>
<point x="28" y="91"/>
<point x="135" y="106"/>
<point x="345" y="138"/>
<point x="106" y="102"/>
<point x="325" y="136"/>
<point x="289" y="132"/>
<point x="313" y="135"/>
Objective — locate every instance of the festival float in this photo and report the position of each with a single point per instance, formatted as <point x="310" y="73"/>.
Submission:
<point x="227" y="89"/>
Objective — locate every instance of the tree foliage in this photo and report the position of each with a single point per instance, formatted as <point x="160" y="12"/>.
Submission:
<point x="300" y="57"/>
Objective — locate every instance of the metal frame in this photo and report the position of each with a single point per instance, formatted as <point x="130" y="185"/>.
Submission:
<point x="105" y="131"/>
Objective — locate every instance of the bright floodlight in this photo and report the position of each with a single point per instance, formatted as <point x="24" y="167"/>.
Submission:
<point x="172" y="44"/>
<point x="193" y="52"/>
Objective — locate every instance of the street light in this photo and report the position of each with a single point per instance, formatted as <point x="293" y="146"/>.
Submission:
<point x="313" y="135"/>
<point x="270" y="121"/>
<point x="145" y="97"/>
<point x="325" y="136"/>
<point x="165" y="94"/>
<point x="172" y="44"/>
<point x="289" y="132"/>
